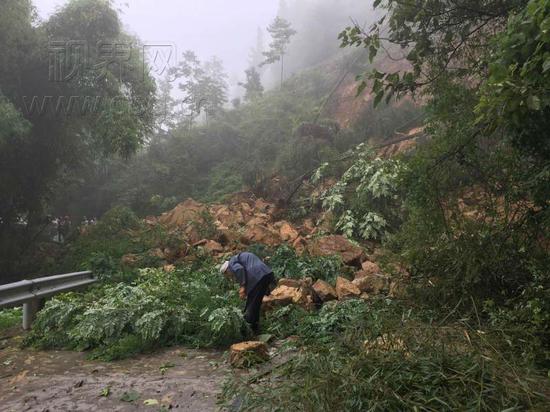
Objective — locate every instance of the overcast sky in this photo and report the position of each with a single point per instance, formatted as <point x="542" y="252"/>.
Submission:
<point x="224" y="28"/>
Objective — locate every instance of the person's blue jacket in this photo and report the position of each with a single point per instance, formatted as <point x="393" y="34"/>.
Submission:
<point x="248" y="269"/>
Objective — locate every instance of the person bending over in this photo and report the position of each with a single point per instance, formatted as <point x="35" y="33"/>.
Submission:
<point x="255" y="279"/>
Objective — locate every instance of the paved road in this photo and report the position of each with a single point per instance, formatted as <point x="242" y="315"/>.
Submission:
<point x="65" y="381"/>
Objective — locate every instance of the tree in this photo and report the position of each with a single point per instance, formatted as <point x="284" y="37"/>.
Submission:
<point x="58" y="121"/>
<point x="482" y="179"/>
<point x="253" y="85"/>
<point x="281" y="31"/>
<point x="204" y="86"/>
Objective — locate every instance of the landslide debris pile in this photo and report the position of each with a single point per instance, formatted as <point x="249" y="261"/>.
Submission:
<point x="223" y="229"/>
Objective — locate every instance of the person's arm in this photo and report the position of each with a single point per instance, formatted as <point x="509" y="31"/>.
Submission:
<point x="241" y="276"/>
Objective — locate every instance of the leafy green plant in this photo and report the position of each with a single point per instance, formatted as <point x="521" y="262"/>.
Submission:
<point x="10" y="318"/>
<point x="286" y="263"/>
<point x="380" y="356"/>
<point x="365" y="199"/>
<point x="193" y="306"/>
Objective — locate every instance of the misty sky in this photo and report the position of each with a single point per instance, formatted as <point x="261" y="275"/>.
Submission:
<point x="223" y="28"/>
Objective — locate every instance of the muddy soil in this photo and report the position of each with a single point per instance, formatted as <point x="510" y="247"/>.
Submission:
<point x="170" y="379"/>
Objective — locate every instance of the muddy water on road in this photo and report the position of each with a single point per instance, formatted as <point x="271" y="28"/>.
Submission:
<point x="175" y="379"/>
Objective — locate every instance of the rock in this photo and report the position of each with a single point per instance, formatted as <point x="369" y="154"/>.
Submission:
<point x="292" y="283"/>
<point x="337" y="245"/>
<point x="285" y="295"/>
<point x="299" y="245"/>
<point x="260" y="234"/>
<point x="246" y="354"/>
<point x="370" y="268"/>
<point x="346" y="289"/>
<point x="287" y="232"/>
<point x="263" y="206"/>
<point x="183" y="214"/>
<point x="324" y="290"/>
<point x="375" y="283"/>
<point x="210" y="245"/>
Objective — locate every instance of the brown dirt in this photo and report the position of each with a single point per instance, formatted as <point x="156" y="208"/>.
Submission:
<point x="66" y="381"/>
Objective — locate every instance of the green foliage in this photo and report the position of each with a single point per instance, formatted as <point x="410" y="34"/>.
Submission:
<point x="287" y="264"/>
<point x="188" y="306"/>
<point x="436" y="35"/>
<point x="10" y="318"/>
<point x="253" y="85"/>
<point x="365" y="197"/>
<point x="62" y="133"/>
<point x="516" y="96"/>
<point x="379" y="357"/>
<point x="119" y="232"/>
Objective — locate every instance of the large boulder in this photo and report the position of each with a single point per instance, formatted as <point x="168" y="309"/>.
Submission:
<point x="346" y="289"/>
<point x="324" y="290"/>
<point x="246" y="354"/>
<point x="371" y="283"/>
<point x="337" y="245"/>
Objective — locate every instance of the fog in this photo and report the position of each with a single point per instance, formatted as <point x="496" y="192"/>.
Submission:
<point x="229" y="30"/>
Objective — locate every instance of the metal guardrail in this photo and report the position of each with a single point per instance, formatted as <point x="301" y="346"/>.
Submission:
<point x="30" y="293"/>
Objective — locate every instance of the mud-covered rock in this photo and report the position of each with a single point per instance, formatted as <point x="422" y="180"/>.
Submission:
<point x="346" y="289"/>
<point x="246" y="354"/>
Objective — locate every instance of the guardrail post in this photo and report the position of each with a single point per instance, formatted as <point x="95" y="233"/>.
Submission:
<point x="29" y="313"/>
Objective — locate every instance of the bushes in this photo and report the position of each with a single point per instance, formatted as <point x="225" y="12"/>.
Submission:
<point x="119" y="232"/>
<point x="10" y="318"/>
<point x="183" y="307"/>
<point x="378" y="356"/>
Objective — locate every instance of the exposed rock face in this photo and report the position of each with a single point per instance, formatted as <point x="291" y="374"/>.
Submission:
<point x="337" y="245"/>
<point x="245" y="354"/>
<point x="324" y="290"/>
<point x="371" y="283"/>
<point x="346" y="289"/>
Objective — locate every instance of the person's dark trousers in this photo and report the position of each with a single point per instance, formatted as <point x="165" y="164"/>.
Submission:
<point x="254" y="301"/>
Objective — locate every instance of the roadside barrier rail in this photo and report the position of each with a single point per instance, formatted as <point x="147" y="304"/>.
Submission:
<point x="30" y="293"/>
